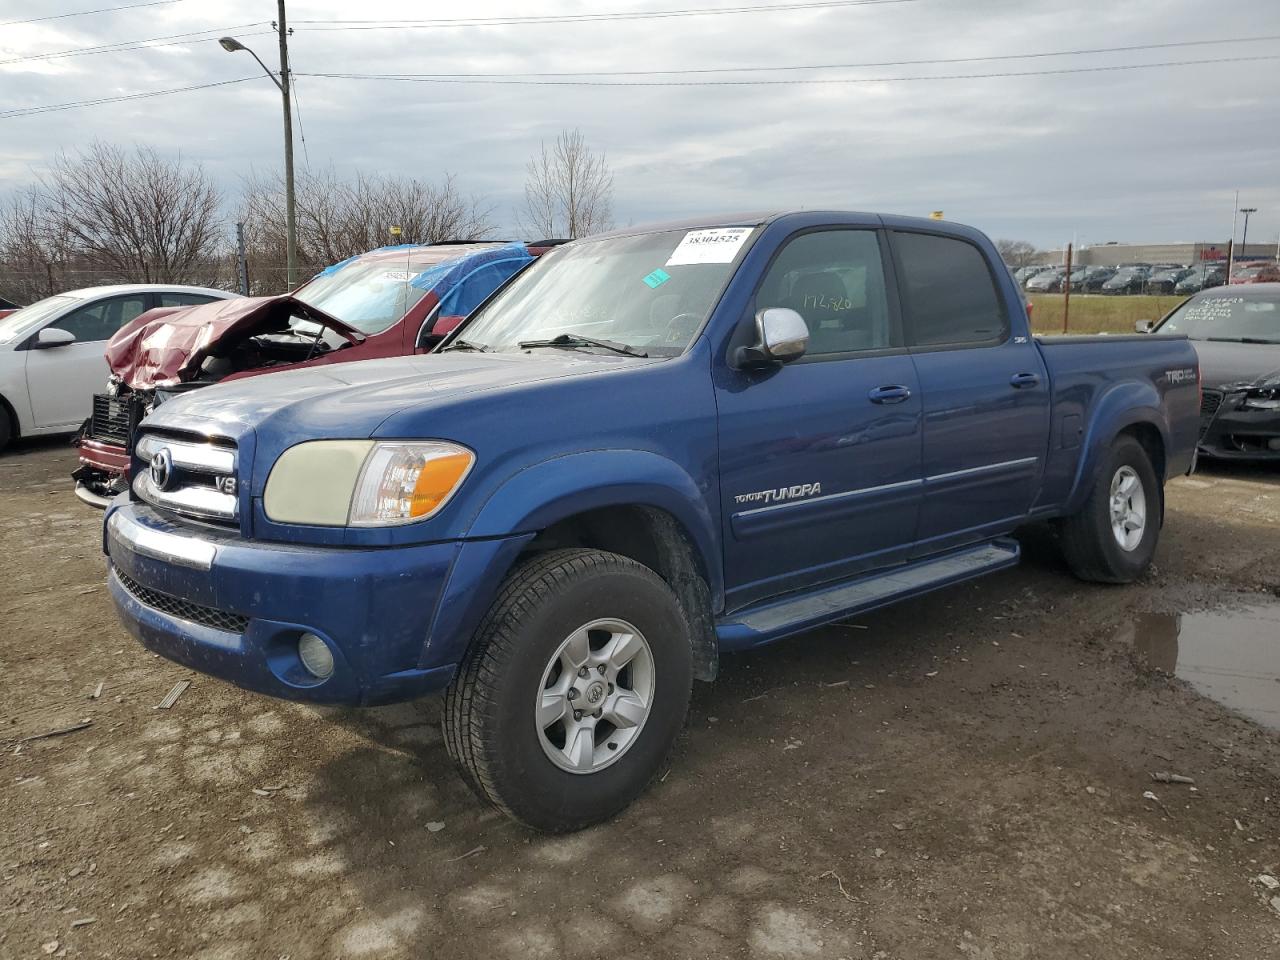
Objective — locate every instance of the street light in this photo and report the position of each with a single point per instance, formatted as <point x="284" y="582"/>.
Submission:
<point x="1244" y="237"/>
<point x="232" y="45"/>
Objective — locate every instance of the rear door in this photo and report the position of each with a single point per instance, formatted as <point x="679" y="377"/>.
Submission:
<point x="984" y="389"/>
<point x="63" y="380"/>
<point x="820" y="459"/>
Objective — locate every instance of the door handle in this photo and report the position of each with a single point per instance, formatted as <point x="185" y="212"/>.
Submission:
<point x="1022" y="380"/>
<point x="889" y="394"/>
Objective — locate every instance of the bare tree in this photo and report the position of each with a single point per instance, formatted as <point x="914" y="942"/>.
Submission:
<point x="36" y="259"/>
<point x="568" y="191"/>
<point x="337" y="218"/>
<point x="139" y="216"/>
<point x="1016" y="253"/>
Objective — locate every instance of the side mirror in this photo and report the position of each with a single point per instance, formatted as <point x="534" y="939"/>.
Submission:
<point x="781" y="336"/>
<point x="1144" y="326"/>
<point x="51" y="337"/>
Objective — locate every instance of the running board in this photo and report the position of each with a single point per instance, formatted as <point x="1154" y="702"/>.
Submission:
<point x="775" y="619"/>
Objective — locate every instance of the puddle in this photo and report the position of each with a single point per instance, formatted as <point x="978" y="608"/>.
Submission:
<point x="1232" y="656"/>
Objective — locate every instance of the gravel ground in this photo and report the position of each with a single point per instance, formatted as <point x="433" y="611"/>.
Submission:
<point x="963" y="776"/>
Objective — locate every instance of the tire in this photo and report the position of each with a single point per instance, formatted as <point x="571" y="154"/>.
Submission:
<point x="1090" y="541"/>
<point x="6" y="427"/>
<point x="558" y="778"/>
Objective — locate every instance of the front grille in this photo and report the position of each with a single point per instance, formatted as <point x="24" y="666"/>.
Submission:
<point x="1210" y="401"/>
<point x="183" y="609"/>
<point x="198" y="479"/>
<point x="112" y="419"/>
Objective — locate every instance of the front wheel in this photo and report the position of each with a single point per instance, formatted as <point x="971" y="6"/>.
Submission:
<point x="1113" y="537"/>
<point x="573" y="691"/>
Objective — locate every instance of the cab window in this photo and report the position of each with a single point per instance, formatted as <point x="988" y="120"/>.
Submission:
<point x="835" y="280"/>
<point x="949" y="294"/>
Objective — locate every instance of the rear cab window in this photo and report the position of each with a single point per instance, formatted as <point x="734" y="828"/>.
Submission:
<point x="950" y="297"/>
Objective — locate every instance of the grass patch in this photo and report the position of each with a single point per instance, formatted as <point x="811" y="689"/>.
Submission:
<point x="1095" y="313"/>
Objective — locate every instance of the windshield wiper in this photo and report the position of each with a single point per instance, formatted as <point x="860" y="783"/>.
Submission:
<point x="574" y="340"/>
<point x="1242" y="340"/>
<point x="467" y="345"/>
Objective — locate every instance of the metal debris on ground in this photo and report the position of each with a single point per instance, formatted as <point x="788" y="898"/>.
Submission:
<point x="434" y="826"/>
<point x="840" y="883"/>
<point x="83" y="922"/>
<point x="56" y="733"/>
<point x="1268" y="881"/>
<point x="172" y="696"/>
<point x="97" y="691"/>
<point x="1162" y="777"/>
<point x="470" y="853"/>
<point x="1148" y="795"/>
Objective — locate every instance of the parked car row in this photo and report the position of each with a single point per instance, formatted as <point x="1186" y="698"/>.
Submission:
<point x="1149" y="278"/>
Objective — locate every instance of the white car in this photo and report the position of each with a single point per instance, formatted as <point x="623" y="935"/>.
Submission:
<point x="51" y="353"/>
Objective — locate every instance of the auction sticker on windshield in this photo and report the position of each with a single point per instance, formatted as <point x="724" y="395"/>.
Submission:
<point x="718" y="245"/>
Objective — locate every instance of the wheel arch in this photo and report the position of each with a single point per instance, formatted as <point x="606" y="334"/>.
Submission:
<point x="9" y="413"/>
<point x="631" y="502"/>
<point x="1131" y="408"/>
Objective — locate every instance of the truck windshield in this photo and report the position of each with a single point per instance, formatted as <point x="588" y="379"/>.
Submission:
<point x="649" y="292"/>
<point x="1249" y="319"/>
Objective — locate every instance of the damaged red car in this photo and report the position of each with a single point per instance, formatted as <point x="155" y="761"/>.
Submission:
<point x="393" y="301"/>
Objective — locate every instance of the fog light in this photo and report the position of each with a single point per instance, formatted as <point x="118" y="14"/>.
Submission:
<point x="315" y="655"/>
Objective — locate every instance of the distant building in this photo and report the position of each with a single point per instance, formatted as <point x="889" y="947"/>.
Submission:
<point x="1113" y="254"/>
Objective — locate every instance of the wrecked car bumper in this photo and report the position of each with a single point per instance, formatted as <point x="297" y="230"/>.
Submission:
<point x="1228" y="431"/>
<point x="102" y="471"/>
<point x="237" y="609"/>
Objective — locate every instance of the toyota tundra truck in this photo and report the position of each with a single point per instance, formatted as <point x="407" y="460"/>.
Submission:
<point x="648" y="448"/>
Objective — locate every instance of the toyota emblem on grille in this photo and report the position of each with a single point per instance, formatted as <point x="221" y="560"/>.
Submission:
<point x="162" y="468"/>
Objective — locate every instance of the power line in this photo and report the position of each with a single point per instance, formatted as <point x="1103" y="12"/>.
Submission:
<point x="53" y="107"/>
<point x="845" y="66"/>
<point x="512" y="21"/>
<point x="85" y="13"/>
<point x="788" y="82"/>
<point x="124" y="45"/>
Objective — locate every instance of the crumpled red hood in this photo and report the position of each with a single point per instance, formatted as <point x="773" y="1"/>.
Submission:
<point x="168" y="344"/>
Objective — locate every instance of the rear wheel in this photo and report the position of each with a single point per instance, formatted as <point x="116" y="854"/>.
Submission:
<point x="1113" y="537"/>
<point x="6" y="427"/>
<point x="573" y="691"/>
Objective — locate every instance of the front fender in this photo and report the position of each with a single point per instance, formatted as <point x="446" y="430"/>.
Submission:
<point x="547" y="492"/>
<point x="1122" y="406"/>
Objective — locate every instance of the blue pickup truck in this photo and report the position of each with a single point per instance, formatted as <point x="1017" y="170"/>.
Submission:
<point x="648" y="448"/>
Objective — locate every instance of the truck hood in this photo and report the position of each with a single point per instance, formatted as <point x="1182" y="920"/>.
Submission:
<point x="350" y="400"/>
<point x="167" y="345"/>
<point x="1237" y="365"/>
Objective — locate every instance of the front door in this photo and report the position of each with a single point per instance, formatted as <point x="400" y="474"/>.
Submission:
<point x="63" y="380"/>
<point x="984" y="388"/>
<point x="820" y="459"/>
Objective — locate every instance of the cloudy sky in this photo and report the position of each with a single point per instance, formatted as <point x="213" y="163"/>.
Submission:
<point x="1145" y="154"/>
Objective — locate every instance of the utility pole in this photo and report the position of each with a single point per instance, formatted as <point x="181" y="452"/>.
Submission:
<point x="291" y="226"/>
<point x="1244" y="237"/>
<point x="242" y="262"/>
<point x="1231" y="253"/>
<point x="1066" y="289"/>
<point x="232" y="45"/>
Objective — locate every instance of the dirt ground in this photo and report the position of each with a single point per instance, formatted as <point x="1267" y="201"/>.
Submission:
<point x="959" y="777"/>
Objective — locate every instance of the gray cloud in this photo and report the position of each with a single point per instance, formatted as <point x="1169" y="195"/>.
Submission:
<point x="1145" y="154"/>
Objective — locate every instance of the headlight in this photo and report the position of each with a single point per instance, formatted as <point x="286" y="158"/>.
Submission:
<point x="364" y="483"/>
<point x="1262" y="398"/>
